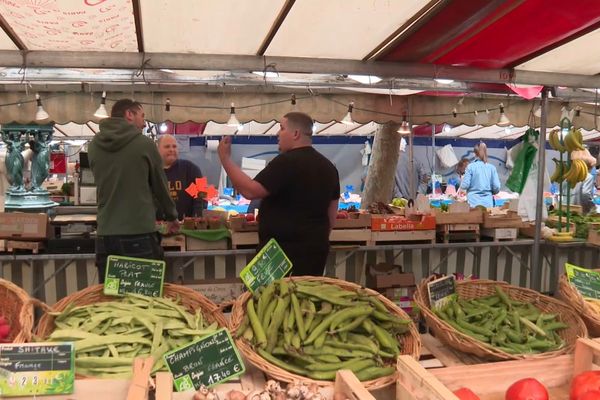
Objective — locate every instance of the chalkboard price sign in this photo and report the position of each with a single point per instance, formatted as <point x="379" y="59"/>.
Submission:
<point x="207" y="361"/>
<point x="267" y="266"/>
<point x="35" y="369"/>
<point x="441" y="291"/>
<point x="586" y="281"/>
<point x="134" y="275"/>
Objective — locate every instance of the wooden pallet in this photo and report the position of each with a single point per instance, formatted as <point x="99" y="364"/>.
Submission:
<point x="35" y="247"/>
<point x="499" y="234"/>
<point x="402" y="236"/>
<point x="458" y="231"/>
<point x="239" y="239"/>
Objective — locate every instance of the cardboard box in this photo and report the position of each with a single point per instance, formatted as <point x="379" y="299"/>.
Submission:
<point x="218" y="290"/>
<point x="415" y="222"/>
<point x="398" y="286"/>
<point x="19" y="225"/>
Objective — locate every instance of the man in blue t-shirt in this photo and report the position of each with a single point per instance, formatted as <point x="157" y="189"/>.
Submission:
<point x="180" y="174"/>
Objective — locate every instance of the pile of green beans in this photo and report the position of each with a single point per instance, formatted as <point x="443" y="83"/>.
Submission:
<point x="509" y="325"/>
<point x="313" y="329"/>
<point x="109" y="335"/>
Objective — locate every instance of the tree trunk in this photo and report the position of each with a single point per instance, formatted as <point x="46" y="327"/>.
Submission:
<point x="380" y="175"/>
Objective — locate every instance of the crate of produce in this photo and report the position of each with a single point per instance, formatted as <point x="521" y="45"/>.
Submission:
<point x="110" y="331"/>
<point x="352" y="220"/>
<point x="16" y="314"/>
<point x="459" y="213"/>
<point x="243" y="223"/>
<point x="392" y="222"/>
<point x="564" y="377"/>
<point x="508" y="219"/>
<point x="333" y="313"/>
<point x="515" y="334"/>
<point x="588" y="309"/>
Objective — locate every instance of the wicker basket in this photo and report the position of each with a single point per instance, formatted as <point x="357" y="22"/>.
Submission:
<point x="481" y="288"/>
<point x="16" y="306"/>
<point x="570" y="295"/>
<point x="190" y="299"/>
<point x="410" y="342"/>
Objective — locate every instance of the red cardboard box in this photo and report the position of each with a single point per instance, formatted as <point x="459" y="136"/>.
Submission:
<point x="401" y="223"/>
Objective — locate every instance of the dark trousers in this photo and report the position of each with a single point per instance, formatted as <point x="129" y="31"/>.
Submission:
<point x="146" y="245"/>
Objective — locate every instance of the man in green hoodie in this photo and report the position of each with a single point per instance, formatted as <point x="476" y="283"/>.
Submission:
<point x="129" y="177"/>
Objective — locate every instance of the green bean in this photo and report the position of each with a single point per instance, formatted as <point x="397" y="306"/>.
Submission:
<point x="533" y="326"/>
<point x="554" y="326"/>
<point x="371" y="373"/>
<point x="503" y="296"/>
<point x="353" y="364"/>
<point x="298" y="317"/>
<point x="276" y="361"/>
<point x="259" y="333"/>
<point x="474" y="328"/>
<point x="265" y="320"/>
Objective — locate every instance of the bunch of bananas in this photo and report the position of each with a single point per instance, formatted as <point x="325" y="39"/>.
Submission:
<point x="574" y="140"/>
<point x="555" y="143"/>
<point x="560" y="167"/>
<point x="576" y="173"/>
<point x="595" y="304"/>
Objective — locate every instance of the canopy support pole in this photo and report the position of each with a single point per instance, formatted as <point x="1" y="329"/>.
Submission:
<point x="536" y="265"/>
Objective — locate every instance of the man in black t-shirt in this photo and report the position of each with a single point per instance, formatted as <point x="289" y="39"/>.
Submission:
<point x="180" y="174"/>
<point x="299" y="189"/>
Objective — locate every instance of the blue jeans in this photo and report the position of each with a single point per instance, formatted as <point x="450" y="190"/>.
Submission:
<point x="145" y="245"/>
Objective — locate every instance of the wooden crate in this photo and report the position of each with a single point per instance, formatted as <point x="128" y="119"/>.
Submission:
<point x="35" y="247"/>
<point x="490" y="381"/>
<point x="593" y="237"/>
<point x="458" y="231"/>
<point x="239" y="224"/>
<point x="500" y="233"/>
<point x="193" y="244"/>
<point x="510" y="220"/>
<point x="177" y="241"/>
<point x="403" y="236"/>
<point x="361" y="236"/>
<point x="243" y="239"/>
<point x="355" y="220"/>
<point x="457" y="214"/>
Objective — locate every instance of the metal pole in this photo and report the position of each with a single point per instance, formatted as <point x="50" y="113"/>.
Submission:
<point x="412" y="188"/>
<point x="535" y="273"/>
<point x="433" y="156"/>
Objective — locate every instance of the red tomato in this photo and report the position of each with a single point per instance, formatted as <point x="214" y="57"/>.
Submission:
<point x="466" y="394"/>
<point x="591" y="395"/>
<point x="4" y="331"/>
<point x="527" y="389"/>
<point x="583" y="383"/>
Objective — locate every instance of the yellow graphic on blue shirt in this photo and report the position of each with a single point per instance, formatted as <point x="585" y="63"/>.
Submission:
<point x="174" y="188"/>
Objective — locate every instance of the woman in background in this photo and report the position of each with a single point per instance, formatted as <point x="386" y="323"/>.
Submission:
<point x="481" y="179"/>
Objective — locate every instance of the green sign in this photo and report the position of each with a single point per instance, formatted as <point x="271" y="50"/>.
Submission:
<point x="586" y="281"/>
<point x="441" y="291"/>
<point x="36" y="369"/>
<point x="134" y="275"/>
<point x="267" y="266"/>
<point x="207" y="361"/>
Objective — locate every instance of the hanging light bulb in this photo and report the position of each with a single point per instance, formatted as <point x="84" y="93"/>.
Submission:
<point x="503" y="120"/>
<point x="101" y="111"/>
<point x="40" y="114"/>
<point x="577" y="111"/>
<point x="454" y="112"/>
<point x="168" y="105"/>
<point x="347" y="120"/>
<point x="163" y="128"/>
<point x="233" y="121"/>
<point x="538" y="111"/>
<point x="447" y="128"/>
<point x="293" y="101"/>
<point x="404" y="127"/>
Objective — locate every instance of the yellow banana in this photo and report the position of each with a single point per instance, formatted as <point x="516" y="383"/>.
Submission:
<point x="559" y="169"/>
<point x="574" y="141"/>
<point x="554" y="141"/>
<point x="583" y="170"/>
